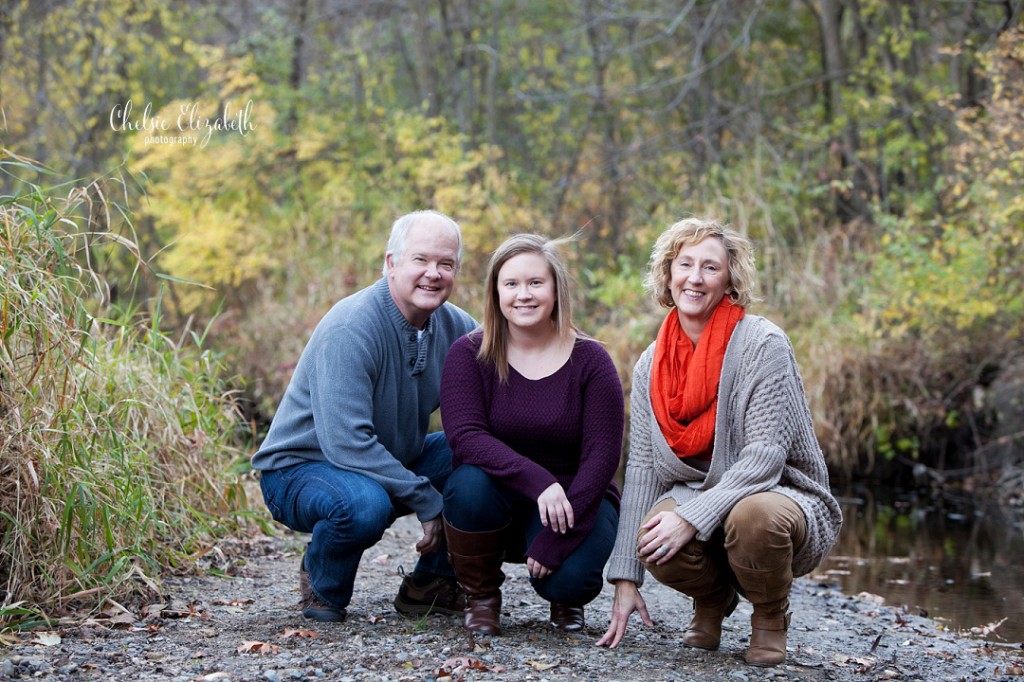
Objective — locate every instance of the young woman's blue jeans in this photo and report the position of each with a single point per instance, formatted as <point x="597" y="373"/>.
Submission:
<point x="347" y="513"/>
<point x="475" y="503"/>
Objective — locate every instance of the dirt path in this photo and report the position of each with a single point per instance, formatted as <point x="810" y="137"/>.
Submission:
<point x="248" y="627"/>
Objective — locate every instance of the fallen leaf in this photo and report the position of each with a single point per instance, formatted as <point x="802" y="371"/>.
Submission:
<point x="944" y="655"/>
<point x="987" y="629"/>
<point x="871" y="598"/>
<point x="456" y="667"/>
<point x="261" y="648"/>
<point x="123" y="618"/>
<point x="382" y="560"/>
<point x="46" y="638"/>
<point x="539" y="667"/>
<point x="232" y="602"/>
<point x="309" y="634"/>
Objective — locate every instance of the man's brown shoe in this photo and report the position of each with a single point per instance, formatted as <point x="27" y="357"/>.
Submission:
<point x="419" y="595"/>
<point x="312" y="607"/>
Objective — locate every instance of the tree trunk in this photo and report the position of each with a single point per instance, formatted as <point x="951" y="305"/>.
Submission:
<point x="853" y="204"/>
<point x="426" y="71"/>
<point x="612" y="181"/>
<point x="298" y="71"/>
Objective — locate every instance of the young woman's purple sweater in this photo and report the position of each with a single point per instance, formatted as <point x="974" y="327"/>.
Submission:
<point x="528" y="434"/>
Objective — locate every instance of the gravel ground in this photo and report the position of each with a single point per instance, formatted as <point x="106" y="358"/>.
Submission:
<point x="248" y="627"/>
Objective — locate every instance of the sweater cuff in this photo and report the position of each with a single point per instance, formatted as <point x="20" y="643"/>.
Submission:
<point x="431" y="508"/>
<point x="622" y="567"/>
<point x="700" y="517"/>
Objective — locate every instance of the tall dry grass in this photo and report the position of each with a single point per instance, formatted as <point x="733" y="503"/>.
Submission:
<point x="115" y="439"/>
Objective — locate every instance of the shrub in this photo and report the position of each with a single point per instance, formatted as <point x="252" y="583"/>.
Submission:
<point x="115" y="437"/>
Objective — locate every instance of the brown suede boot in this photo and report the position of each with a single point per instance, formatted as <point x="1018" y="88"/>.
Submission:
<point x="768" y="591"/>
<point x="695" y="572"/>
<point x="769" y="624"/>
<point x="476" y="559"/>
<point x="705" y="629"/>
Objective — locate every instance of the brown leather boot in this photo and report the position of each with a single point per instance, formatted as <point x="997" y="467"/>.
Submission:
<point x="768" y="591"/>
<point x="696" y="572"/>
<point x="769" y="624"/>
<point x="476" y="559"/>
<point x="705" y="629"/>
<point x="567" y="618"/>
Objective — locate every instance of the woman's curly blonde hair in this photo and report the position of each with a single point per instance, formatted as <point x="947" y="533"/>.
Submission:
<point x="689" y="231"/>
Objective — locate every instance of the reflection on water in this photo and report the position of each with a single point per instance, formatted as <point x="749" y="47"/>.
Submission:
<point x="942" y="559"/>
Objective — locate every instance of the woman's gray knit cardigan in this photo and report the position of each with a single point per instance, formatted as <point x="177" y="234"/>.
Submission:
<point x="764" y="441"/>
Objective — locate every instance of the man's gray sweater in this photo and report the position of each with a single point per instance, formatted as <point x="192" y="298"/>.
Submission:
<point x="363" y="392"/>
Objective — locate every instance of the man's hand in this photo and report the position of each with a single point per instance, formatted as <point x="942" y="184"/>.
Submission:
<point x="555" y="509"/>
<point x="431" y="539"/>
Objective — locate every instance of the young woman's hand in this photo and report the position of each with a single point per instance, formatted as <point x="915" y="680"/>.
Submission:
<point x="555" y="510"/>
<point x="537" y="569"/>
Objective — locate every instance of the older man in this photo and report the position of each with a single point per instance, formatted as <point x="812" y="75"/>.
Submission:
<point x="348" y="450"/>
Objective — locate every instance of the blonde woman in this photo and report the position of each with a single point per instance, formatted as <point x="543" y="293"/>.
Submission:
<point x="726" y="489"/>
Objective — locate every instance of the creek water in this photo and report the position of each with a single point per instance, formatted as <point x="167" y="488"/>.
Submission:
<point x="955" y="560"/>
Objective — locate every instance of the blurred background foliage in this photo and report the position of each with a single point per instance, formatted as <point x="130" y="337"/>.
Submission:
<point x="871" y="149"/>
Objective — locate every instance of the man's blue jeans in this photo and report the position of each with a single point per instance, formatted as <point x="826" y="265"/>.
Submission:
<point x="474" y="502"/>
<point x="347" y="513"/>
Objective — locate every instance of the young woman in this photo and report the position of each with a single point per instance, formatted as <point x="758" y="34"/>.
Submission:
<point x="533" y="410"/>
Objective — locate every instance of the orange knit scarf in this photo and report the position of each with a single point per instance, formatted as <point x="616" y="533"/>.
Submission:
<point x="684" y="380"/>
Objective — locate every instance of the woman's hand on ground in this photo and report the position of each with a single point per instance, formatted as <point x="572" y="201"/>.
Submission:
<point x="627" y="600"/>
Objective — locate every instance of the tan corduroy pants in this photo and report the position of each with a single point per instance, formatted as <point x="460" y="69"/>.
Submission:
<point x="752" y="553"/>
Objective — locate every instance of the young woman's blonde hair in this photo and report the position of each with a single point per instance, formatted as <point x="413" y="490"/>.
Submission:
<point x="690" y="231"/>
<point x="494" y="345"/>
